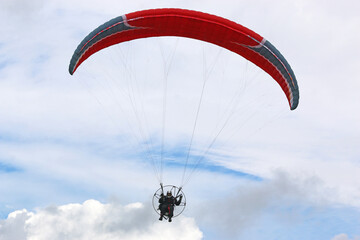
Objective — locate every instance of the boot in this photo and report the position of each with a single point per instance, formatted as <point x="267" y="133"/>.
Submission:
<point x="161" y="217"/>
<point x="170" y="220"/>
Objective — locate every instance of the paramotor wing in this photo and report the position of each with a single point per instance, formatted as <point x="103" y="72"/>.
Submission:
<point x="196" y="25"/>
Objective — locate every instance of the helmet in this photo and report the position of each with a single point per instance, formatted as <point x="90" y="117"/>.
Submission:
<point x="168" y="194"/>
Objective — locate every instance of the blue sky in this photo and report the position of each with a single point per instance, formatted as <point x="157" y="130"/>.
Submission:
<point x="71" y="150"/>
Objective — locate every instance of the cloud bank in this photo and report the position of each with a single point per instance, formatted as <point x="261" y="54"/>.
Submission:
<point x="95" y="220"/>
<point x="285" y="205"/>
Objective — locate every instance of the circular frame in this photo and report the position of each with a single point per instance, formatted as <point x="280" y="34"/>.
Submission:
<point x="175" y="192"/>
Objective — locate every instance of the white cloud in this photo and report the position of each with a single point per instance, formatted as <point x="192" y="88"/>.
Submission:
<point x="13" y="226"/>
<point x="344" y="236"/>
<point x="95" y="220"/>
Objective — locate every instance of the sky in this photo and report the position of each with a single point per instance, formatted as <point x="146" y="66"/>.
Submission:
<point x="75" y="158"/>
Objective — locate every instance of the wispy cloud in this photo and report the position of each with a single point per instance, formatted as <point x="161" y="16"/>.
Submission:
<point x="7" y="168"/>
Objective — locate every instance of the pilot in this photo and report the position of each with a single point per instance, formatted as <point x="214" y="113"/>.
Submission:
<point x="167" y="204"/>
